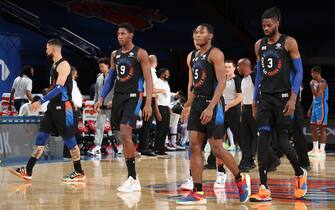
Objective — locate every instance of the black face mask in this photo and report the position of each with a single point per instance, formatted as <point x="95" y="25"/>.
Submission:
<point x="167" y="78"/>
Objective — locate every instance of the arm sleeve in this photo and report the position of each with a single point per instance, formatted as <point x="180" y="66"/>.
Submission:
<point x="109" y="83"/>
<point x="298" y="75"/>
<point x="53" y="93"/>
<point x="258" y="80"/>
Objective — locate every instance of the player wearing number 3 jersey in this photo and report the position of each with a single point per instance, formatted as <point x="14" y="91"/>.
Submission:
<point x="278" y="80"/>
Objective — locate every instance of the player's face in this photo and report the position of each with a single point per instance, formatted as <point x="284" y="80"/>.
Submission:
<point x="201" y="36"/>
<point x="270" y="27"/>
<point x="103" y="68"/>
<point x="314" y="74"/>
<point x="50" y="50"/>
<point x="124" y="36"/>
<point x="229" y="67"/>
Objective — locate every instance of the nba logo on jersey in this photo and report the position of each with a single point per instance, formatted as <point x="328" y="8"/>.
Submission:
<point x="131" y="54"/>
<point x="118" y="56"/>
<point x="278" y="46"/>
<point x="263" y="47"/>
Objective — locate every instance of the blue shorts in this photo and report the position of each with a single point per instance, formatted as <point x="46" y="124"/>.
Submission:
<point x="319" y="114"/>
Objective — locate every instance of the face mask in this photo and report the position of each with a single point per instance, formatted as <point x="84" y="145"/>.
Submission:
<point x="167" y="77"/>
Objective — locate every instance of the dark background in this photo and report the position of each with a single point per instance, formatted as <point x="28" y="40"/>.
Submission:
<point x="165" y="28"/>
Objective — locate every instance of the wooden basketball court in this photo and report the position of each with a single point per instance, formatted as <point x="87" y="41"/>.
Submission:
<point x="160" y="178"/>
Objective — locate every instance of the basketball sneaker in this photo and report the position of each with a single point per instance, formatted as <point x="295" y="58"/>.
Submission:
<point x="96" y="151"/>
<point x="313" y="152"/>
<point x="301" y="185"/>
<point x="193" y="198"/>
<point x="74" y="177"/>
<point x="263" y="195"/>
<point x="244" y="187"/>
<point x="20" y="172"/>
<point x="187" y="185"/>
<point x="220" y="180"/>
<point x="130" y="185"/>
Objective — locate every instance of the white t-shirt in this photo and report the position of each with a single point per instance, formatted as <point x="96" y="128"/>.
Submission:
<point x="233" y="86"/>
<point x="247" y="87"/>
<point x="154" y="81"/>
<point x="21" y="86"/>
<point x="163" y="99"/>
<point x="24" y="111"/>
<point x="77" y="98"/>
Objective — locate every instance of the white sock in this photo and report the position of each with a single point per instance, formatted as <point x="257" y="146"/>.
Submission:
<point x="322" y="147"/>
<point x="315" y="145"/>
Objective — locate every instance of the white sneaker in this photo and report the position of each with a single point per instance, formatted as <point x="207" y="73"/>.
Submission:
<point x="170" y="147"/>
<point x="220" y="182"/>
<point x="95" y="151"/>
<point x="321" y="155"/>
<point x="313" y="152"/>
<point x="130" y="185"/>
<point x="187" y="185"/>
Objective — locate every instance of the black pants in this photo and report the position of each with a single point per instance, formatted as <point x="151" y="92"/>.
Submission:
<point x="300" y="143"/>
<point x="232" y="120"/>
<point x="162" y="129"/>
<point x="145" y="129"/>
<point x="19" y="102"/>
<point x="249" y="135"/>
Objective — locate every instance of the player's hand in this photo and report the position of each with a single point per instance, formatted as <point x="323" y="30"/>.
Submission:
<point x="289" y="107"/>
<point x="226" y="107"/>
<point x="98" y="104"/>
<point x="35" y="106"/>
<point x="185" y="113"/>
<point x="109" y="105"/>
<point x="147" y="112"/>
<point x="159" y="116"/>
<point x="206" y="115"/>
<point x="254" y="110"/>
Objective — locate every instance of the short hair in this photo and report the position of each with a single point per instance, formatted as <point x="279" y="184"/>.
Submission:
<point x="272" y="13"/>
<point x="26" y="70"/>
<point x="209" y="27"/>
<point x="55" y="42"/>
<point x="36" y="98"/>
<point x="129" y="27"/>
<point x="231" y="61"/>
<point x="73" y="68"/>
<point x="161" y="71"/>
<point x="104" y="60"/>
<point x="317" y="69"/>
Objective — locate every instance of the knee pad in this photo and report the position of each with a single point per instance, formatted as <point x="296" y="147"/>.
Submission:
<point x="70" y="142"/>
<point x="41" y="138"/>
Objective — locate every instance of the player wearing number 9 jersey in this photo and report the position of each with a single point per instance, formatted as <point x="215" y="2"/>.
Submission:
<point x="278" y="80"/>
<point x="130" y="67"/>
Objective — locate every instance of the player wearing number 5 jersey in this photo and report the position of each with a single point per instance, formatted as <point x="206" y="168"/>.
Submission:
<point x="278" y="80"/>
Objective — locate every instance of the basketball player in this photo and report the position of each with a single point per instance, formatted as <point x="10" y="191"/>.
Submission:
<point x="205" y="108"/>
<point x="129" y="65"/>
<point x="277" y="58"/>
<point x="318" y="112"/>
<point x="59" y="118"/>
